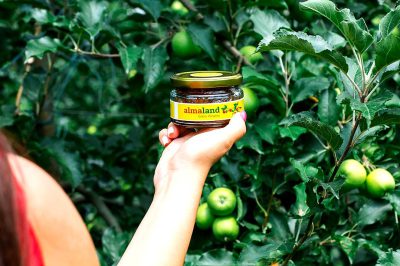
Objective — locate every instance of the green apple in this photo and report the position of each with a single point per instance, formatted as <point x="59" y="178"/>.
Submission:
<point x="249" y="52"/>
<point x="379" y="182"/>
<point x="183" y="45"/>
<point x="179" y="8"/>
<point x="204" y="216"/>
<point x="354" y="172"/>
<point x="376" y="20"/>
<point x="225" y="228"/>
<point x="222" y="201"/>
<point x="251" y="101"/>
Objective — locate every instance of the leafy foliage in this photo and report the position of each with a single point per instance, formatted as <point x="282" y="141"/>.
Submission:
<point x="85" y="89"/>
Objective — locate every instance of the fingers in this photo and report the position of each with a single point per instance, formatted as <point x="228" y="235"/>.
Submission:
<point x="209" y="145"/>
<point x="237" y="126"/>
<point x="167" y="135"/>
<point x="224" y="138"/>
<point x="163" y="137"/>
<point x="173" y="131"/>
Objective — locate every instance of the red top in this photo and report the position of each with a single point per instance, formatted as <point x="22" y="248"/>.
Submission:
<point x="29" y="240"/>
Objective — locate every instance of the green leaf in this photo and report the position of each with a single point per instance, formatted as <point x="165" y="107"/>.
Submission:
<point x="154" y="60"/>
<point x="216" y="257"/>
<point x="355" y="31"/>
<point x="7" y="115"/>
<point x="345" y="133"/>
<point x="92" y="16"/>
<point x="68" y="163"/>
<point x="324" y="131"/>
<point x="267" y="22"/>
<point x="216" y="22"/>
<point x="373" y="211"/>
<point x="306" y="172"/>
<point x="43" y="16"/>
<point x="129" y="57"/>
<point x="390" y="258"/>
<point x="300" y="207"/>
<point x="389" y="22"/>
<point x="349" y="246"/>
<point x="241" y="207"/>
<point x="6" y="121"/>
<point x="386" y="117"/>
<point x="299" y="41"/>
<point x="266" y="127"/>
<point x="389" y="71"/>
<point x="328" y="109"/>
<point x="306" y="87"/>
<point x="333" y="187"/>
<point x="250" y="75"/>
<point x="394" y="102"/>
<point x="334" y="39"/>
<point x="292" y="132"/>
<point x="273" y="3"/>
<point x="114" y="244"/>
<point x="370" y="132"/>
<point x="154" y="7"/>
<point x="354" y="73"/>
<point x="369" y="109"/>
<point x="387" y="51"/>
<point x="38" y="47"/>
<point x="279" y="226"/>
<point x="252" y="253"/>
<point x="251" y="140"/>
<point x="394" y="199"/>
<point x="203" y="37"/>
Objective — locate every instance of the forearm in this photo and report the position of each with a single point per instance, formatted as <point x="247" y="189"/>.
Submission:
<point x="164" y="234"/>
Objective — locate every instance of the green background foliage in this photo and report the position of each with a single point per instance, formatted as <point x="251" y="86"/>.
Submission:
<point x="85" y="89"/>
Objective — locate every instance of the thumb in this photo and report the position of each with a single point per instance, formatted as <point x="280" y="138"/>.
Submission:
<point x="208" y="145"/>
<point x="224" y="138"/>
<point x="236" y="128"/>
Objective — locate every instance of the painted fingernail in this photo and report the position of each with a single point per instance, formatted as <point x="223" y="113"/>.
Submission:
<point x="170" y="131"/>
<point x="243" y="115"/>
<point x="165" y="140"/>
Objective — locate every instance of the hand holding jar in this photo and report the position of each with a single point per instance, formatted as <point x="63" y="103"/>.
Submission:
<point x="182" y="170"/>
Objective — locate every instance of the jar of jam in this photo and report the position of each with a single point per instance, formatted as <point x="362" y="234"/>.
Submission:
<point x="205" y="98"/>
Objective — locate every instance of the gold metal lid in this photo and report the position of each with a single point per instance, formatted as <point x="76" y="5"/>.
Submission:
<point x="206" y="79"/>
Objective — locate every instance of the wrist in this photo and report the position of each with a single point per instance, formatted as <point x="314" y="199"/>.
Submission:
<point x="182" y="180"/>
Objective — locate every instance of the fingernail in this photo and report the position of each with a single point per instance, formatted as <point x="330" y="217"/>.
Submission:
<point x="165" y="140"/>
<point x="170" y="131"/>
<point x="243" y="115"/>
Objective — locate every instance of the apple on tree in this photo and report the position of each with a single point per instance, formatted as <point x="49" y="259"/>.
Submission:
<point x="183" y="45"/>
<point x="179" y="8"/>
<point x="251" y="101"/>
<point x="249" y="52"/>
<point x="204" y="217"/>
<point x="354" y="172"/>
<point x="222" y="201"/>
<point x="225" y="228"/>
<point x="379" y="182"/>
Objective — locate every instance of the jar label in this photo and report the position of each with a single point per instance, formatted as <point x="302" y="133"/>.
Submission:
<point x="205" y="111"/>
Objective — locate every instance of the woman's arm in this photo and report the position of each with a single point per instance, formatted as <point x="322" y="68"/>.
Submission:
<point x="164" y="234"/>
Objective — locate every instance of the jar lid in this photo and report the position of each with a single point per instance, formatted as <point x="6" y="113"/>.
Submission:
<point x="206" y="79"/>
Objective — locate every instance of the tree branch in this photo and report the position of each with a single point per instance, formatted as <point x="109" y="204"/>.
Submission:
<point x="191" y="7"/>
<point x="104" y="211"/>
<point x="347" y="149"/>
<point x="297" y="246"/>
<point x="233" y="50"/>
<point x="79" y="51"/>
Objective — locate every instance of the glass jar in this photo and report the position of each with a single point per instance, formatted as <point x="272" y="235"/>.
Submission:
<point x="205" y="98"/>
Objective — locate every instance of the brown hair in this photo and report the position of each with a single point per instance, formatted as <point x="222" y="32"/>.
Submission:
<point x="13" y="222"/>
